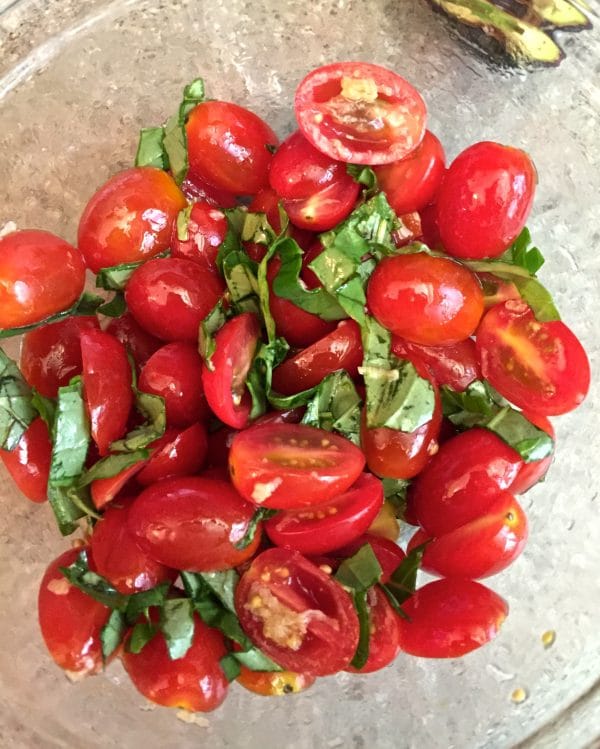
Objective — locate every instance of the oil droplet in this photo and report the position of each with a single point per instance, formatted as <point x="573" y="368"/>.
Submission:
<point x="519" y="695"/>
<point x="548" y="638"/>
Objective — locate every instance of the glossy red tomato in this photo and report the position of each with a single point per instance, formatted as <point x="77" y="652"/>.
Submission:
<point x="107" y="389"/>
<point x="138" y="342"/>
<point x="29" y="462"/>
<point x="40" y="275"/>
<point x="196" y="190"/>
<point x="384" y="640"/>
<point x="389" y="555"/>
<point x="410" y="229"/>
<point x="292" y="466"/>
<point x="274" y="683"/>
<point x="70" y="620"/>
<point x="450" y="618"/>
<point x="455" y="365"/>
<point x="297" y="615"/>
<point x="116" y="556"/>
<point x="51" y="354"/>
<point x="170" y="297"/>
<point x="267" y="201"/>
<point x="219" y="443"/>
<point x="413" y="182"/>
<point x="539" y="366"/>
<point x="193" y="523"/>
<point x="206" y="230"/>
<point x="228" y="147"/>
<point x="462" y="481"/>
<point x="175" y="373"/>
<point x="177" y="453"/>
<point x="103" y="491"/>
<point x="129" y="218"/>
<point x="530" y="473"/>
<point x="225" y="383"/>
<point x="194" y="682"/>
<point x="362" y="113"/>
<point x="341" y="349"/>
<point x="430" y="230"/>
<point x="485" y="199"/>
<point x="481" y="547"/>
<point x="427" y="300"/>
<point x="320" y="529"/>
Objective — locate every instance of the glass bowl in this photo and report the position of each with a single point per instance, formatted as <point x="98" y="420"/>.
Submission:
<point x="77" y="80"/>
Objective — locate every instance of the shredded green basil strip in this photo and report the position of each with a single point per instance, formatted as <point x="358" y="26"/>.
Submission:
<point x="150" y="150"/>
<point x="86" y="305"/>
<point x="335" y="406"/>
<point x="403" y="581"/>
<point x="177" y="626"/>
<point x="17" y="409"/>
<point x="262" y="513"/>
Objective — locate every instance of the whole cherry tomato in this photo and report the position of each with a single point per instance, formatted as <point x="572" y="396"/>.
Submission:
<point x="138" y="342"/>
<point x="206" y="230"/>
<point x="530" y="473"/>
<point x="40" y="275"/>
<point x="274" y="683"/>
<point x="455" y="364"/>
<point x="384" y="638"/>
<point x="29" y="462"/>
<point x="177" y="453"/>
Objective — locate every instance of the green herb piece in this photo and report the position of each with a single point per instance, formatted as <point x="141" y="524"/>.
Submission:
<point x="395" y="492"/>
<point x="335" y="406"/>
<point x="150" y="150"/>
<point x="522" y="254"/>
<point x="112" y="633"/>
<point x="86" y="305"/>
<point x="175" y="138"/>
<point x="152" y="408"/>
<point x="262" y="513"/>
<point x="116" y="277"/>
<point x="403" y="581"/>
<point x="209" y="327"/>
<point x="141" y="634"/>
<point x="240" y="276"/>
<point x="365" y="176"/>
<point x="17" y="410"/>
<point x="361" y="656"/>
<point x="177" y="625"/>
<point x="260" y="376"/>
<point x="46" y="408"/>
<point x="231" y="666"/>
<point x="112" y="465"/>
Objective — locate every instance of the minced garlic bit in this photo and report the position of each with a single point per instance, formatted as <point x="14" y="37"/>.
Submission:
<point x="60" y="586"/>
<point x="188" y="717"/>
<point x="548" y="638"/>
<point x="359" y="89"/>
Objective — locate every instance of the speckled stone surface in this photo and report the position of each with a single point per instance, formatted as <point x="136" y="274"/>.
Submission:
<point x="76" y="82"/>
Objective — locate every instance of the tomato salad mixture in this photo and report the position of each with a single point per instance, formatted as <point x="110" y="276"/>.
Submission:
<point x="300" y="343"/>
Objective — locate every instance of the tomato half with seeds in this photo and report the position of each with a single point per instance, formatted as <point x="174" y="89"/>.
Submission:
<point x="274" y="683"/>
<point x="292" y="466"/>
<point x="296" y="613"/>
<point x="538" y="366"/>
<point x="384" y="636"/>
<point x="177" y="453"/>
<point x="455" y="364"/>
<point x="29" y="462"/>
<point x="205" y="231"/>
<point x="360" y="113"/>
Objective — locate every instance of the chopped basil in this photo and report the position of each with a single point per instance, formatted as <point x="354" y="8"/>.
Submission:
<point x="395" y="492"/>
<point x="209" y="327"/>
<point x="183" y="222"/>
<point x="86" y="305"/>
<point x="230" y="666"/>
<point x="260" y="376"/>
<point x="365" y="176"/>
<point x="46" y="408"/>
<point x="115" y="277"/>
<point x="335" y="406"/>
<point x="152" y="408"/>
<point x="141" y="634"/>
<point x="177" y="626"/>
<point x="116" y="307"/>
<point x="522" y="254"/>
<point x="361" y="655"/>
<point x="403" y="581"/>
<point x="150" y="150"/>
<point x="240" y="276"/>
<point x="112" y="465"/>
<point x="112" y="633"/>
<point x="17" y="410"/>
<point x="262" y="513"/>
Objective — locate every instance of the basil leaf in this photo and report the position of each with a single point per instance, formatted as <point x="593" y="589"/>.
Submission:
<point x="141" y="635"/>
<point x="361" y="655"/>
<point x="86" y="305"/>
<point x="139" y="603"/>
<point x="335" y="406"/>
<point x="240" y="276"/>
<point x="262" y="513"/>
<point x="364" y="176"/>
<point x="115" y="307"/>
<point x="150" y="150"/>
<point x="361" y="571"/>
<point x="177" y="626"/>
<point x="223" y="585"/>
<point x="152" y="408"/>
<point x="115" y="277"/>
<point x="17" y="411"/>
<point x="112" y="633"/>
<point x="175" y="138"/>
<point x="112" y="465"/>
<point x="395" y="492"/>
<point x="521" y="253"/>
<point x="233" y="239"/>
<point x="46" y="408"/>
<point x="209" y="327"/>
<point x="403" y="581"/>
<point x="230" y="666"/>
<point x="260" y="376"/>
<point x="182" y="223"/>
<point x="94" y="585"/>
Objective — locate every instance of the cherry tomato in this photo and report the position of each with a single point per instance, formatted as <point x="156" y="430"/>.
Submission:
<point x="362" y="113"/>
<point x="225" y="380"/>
<point x="462" y="481"/>
<point x="267" y="201"/>
<point x="170" y="297"/>
<point x="206" y="230"/>
<point x="228" y="147"/>
<point x="481" y="547"/>
<point x="177" y="453"/>
<point x="455" y="365"/>
<point x="107" y="389"/>
<point x="530" y="473"/>
<point x="51" y="354"/>
<point x="320" y="529"/>
<point x="196" y="190"/>
<point x="539" y="366"/>
<point x="274" y="683"/>
<point x="194" y="682"/>
<point x="485" y="199"/>
<point x="384" y="640"/>
<point x="292" y="466"/>
<point x="297" y="615"/>
<point x="103" y="491"/>
<point x="427" y="300"/>
<point x="116" y="556"/>
<point x="410" y="229"/>
<point x="40" y="275"/>
<point x="29" y="462"/>
<point x="192" y="523"/>
<point x="70" y="620"/>
<point x="450" y="618"/>
<point x="341" y="349"/>
<point x="412" y="183"/>
<point x="175" y="373"/>
<point x="389" y="555"/>
<point x="139" y="343"/>
<point x="129" y="218"/>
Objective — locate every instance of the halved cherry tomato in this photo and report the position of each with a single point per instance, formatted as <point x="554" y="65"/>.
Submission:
<point x="292" y="466"/>
<point x="177" y="453"/>
<point x="70" y="620"/>
<point x="485" y="199"/>
<point x="361" y="113"/>
<point x="40" y="275"/>
<point x="298" y="615"/>
<point x="29" y="462"/>
<point x="427" y="300"/>
<point x="389" y="555"/>
<point x="105" y="490"/>
<point x="206" y="230"/>
<point x="539" y="366"/>
<point x="224" y="380"/>
<point x="320" y="529"/>
<point x="384" y="639"/>
<point x="341" y="349"/>
<point x="274" y="683"/>
<point x="455" y="364"/>
<point x="530" y="473"/>
<point x="107" y="389"/>
<point x="138" y="342"/>
<point x="228" y="147"/>
<point x="449" y="618"/>
<point x="193" y="523"/>
<point x="129" y="218"/>
<point x="413" y="182"/>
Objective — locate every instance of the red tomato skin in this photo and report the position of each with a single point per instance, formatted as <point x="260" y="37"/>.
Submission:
<point x="194" y="682"/>
<point x="169" y="297"/>
<point x="138" y="342"/>
<point x="485" y="199"/>
<point x="29" y="462"/>
<point x="40" y="275"/>
<point x="455" y="365"/>
<point x="107" y="389"/>
<point x="227" y="147"/>
<point x="384" y="643"/>
<point x="412" y="183"/>
<point x="341" y="349"/>
<point x="281" y="582"/>
<point x="538" y="366"/>
<point x="531" y="473"/>
<point x="427" y="300"/>
<point x="267" y="201"/>
<point x="192" y="523"/>
<point x="389" y="555"/>
<point x="270" y="466"/>
<point x="129" y="218"/>
<point x="320" y="529"/>
<point x="196" y="190"/>
<point x="51" y="354"/>
<point x="175" y="373"/>
<point x="206" y="230"/>
<point x="103" y="491"/>
<point x="274" y="683"/>
<point x="341" y="126"/>
<point x="178" y="453"/>
<point x="70" y="621"/>
<point x="429" y="227"/>
<point x="449" y="618"/>
<point x="462" y="481"/>
<point x="116" y="556"/>
<point x="218" y="447"/>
